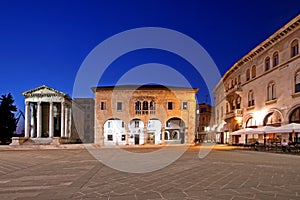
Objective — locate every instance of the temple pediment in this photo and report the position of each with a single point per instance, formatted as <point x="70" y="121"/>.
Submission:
<point x="44" y="91"/>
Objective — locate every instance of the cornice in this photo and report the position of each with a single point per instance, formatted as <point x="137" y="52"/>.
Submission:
<point x="262" y="47"/>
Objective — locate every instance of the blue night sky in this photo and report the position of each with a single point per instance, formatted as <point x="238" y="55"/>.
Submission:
<point x="45" y="42"/>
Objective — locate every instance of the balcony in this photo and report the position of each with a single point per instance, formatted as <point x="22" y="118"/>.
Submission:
<point x="234" y="113"/>
<point x="235" y="89"/>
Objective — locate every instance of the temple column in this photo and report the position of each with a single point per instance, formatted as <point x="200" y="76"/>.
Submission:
<point x="27" y="119"/>
<point x="66" y="121"/>
<point x="62" y="127"/>
<point x="51" y="120"/>
<point x="70" y="123"/>
<point x="32" y="121"/>
<point x="39" y="120"/>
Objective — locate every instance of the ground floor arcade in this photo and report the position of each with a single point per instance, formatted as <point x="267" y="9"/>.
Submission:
<point x="138" y="132"/>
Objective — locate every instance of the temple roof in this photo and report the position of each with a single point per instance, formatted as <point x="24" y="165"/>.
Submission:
<point x="44" y="91"/>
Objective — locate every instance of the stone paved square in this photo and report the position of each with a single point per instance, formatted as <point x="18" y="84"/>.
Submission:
<point x="76" y="174"/>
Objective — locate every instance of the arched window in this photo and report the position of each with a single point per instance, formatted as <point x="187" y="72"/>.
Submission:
<point x="145" y="107"/>
<point x="295" y="116"/>
<point x="152" y="107"/>
<point x="239" y="79"/>
<point x="247" y="74"/>
<point x="267" y="63"/>
<point x="275" y="59"/>
<point x="250" y="98"/>
<point x="294" y="48"/>
<point x="253" y="70"/>
<point x="251" y="123"/>
<point x="238" y="102"/>
<point x="297" y="81"/>
<point x="138" y="107"/>
<point x="271" y="91"/>
<point x="272" y="119"/>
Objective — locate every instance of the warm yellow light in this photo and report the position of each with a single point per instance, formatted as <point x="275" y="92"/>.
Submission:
<point x="239" y="119"/>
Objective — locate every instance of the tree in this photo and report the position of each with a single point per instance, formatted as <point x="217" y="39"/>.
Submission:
<point x="7" y="118"/>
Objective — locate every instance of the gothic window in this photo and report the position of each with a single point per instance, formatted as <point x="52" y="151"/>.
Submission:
<point x="271" y="91"/>
<point x="250" y="98"/>
<point x="152" y="107"/>
<point x="248" y="75"/>
<point x="294" y="48"/>
<point x="253" y="70"/>
<point x="145" y="105"/>
<point x="138" y="107"/>
<point x="275" y="59"/>
<point x="267" y="64"/>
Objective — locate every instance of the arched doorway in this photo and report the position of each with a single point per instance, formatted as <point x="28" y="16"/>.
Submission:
<point x="154" y="131"/>
<point x="295" y="118"/>
<point x="136" y="132"/>
<point x="273" y="119"/>
<point x="175" y="131"/>
<point x="114" y="132"/>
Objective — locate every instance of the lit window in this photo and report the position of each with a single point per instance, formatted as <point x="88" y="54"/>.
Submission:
<point x="297" y="82"/>
<point x="250" y="98"/>
<point x="123" y="137"/>
<point x="184" y="105"/>
<point x="294" y="48"/>
<point x="267" y="64"/>
<point x="275" y="59"/>
<point x="271" y="91"/>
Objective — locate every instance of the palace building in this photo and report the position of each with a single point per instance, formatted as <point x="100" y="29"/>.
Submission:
<point x="262" y="89"/>
<point x="148" y="114"/>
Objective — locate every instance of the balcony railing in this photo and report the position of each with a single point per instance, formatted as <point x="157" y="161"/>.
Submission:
<point x="236" y="88"/>
<point x="234" y="113"/>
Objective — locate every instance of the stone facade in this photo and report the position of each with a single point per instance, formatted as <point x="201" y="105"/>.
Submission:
<point x="263" y="87"/>
<point x="87" y="105"/>
<point x="144" y="114"/>
<point x="204" y="123"/>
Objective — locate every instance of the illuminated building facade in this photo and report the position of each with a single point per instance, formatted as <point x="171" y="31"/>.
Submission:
<point x="149" y="114"/>
<point x="262" y="88"/>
